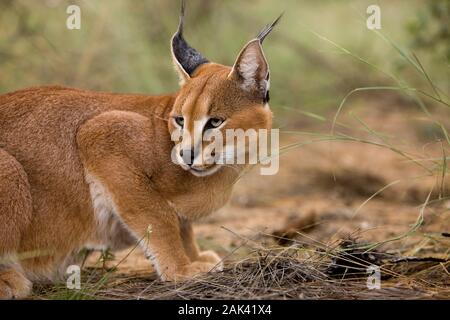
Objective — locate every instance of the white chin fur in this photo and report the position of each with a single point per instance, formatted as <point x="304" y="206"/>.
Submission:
<point x="197" y="173"/>
<point x="206" y="172"/>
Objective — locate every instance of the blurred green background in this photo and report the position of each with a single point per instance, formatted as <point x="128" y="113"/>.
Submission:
<point x="123" y="45"/>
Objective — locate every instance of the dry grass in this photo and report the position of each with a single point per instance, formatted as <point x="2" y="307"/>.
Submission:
<point x="296" y="272"/>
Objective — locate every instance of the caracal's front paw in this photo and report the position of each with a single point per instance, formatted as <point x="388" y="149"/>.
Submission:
<point x="211" y="257"/>
<point x="190" y="271"/>
<point x="14" y="285"/>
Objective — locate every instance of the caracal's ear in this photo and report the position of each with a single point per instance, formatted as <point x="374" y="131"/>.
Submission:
<point x="251" y="69"/>
<point x="185" y="58"/>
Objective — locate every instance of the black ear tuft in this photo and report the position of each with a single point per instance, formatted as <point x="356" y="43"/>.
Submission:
<point x="268" y="29"/>
<point x="186" y="56"/>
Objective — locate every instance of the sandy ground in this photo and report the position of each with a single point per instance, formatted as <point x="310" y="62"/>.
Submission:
<point x="330" y="185"/>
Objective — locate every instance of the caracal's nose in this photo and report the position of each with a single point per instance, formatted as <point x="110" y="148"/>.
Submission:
<point x="188" y="156"/>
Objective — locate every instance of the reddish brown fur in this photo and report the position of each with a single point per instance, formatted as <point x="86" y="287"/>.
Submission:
<point x="59" y="145"/>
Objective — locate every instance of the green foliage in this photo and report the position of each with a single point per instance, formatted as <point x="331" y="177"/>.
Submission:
<point x="123" y="46"/>
<point x="431" y="28"/>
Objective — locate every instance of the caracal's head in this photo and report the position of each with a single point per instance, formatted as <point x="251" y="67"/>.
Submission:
<point x="214" y="101"/>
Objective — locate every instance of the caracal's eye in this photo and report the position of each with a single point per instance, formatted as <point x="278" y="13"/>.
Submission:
<point x="179" y="121"/>
<point x="214" y="123"/>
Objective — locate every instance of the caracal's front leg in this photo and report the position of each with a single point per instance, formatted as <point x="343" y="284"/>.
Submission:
<point x="149" y="218"/>
<point x="191" y="247"/>
<point x="117" y="168"/>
